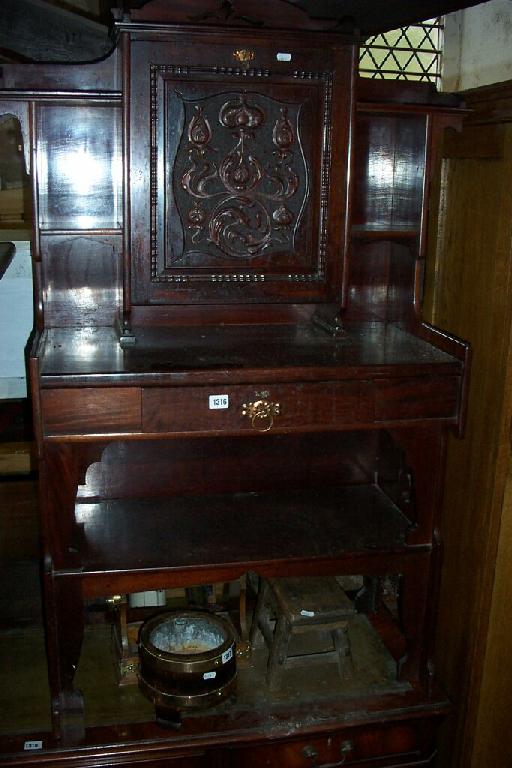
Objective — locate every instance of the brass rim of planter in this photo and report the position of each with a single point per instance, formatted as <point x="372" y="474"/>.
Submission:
<point x="182" y="701"/>
<point x="187" y="662"/>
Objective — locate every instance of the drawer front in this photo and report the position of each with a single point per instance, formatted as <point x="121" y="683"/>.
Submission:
<point x="396" y="745"/>
<point x="433" y="397"/>
<point x="291" y="407"/>
<point x="245" y="408"/>
<point x="91" y="411"/>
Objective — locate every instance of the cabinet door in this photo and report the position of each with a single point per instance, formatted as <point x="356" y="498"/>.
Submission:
<point x="236" y="204"/>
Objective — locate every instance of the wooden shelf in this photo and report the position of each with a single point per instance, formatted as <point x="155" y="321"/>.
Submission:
<point x="384" y="232"/>
<point x="241" y="531"/>
<point x="102" y="228"/>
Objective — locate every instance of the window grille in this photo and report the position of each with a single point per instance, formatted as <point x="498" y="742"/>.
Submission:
<point x="408" y="53"/>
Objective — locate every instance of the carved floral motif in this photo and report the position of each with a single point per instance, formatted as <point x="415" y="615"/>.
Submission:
<point x="282" y="134"/>
<point x="237" y="113"/>
<point x="241" y="171"/>
<point x="196" y="218"/>
<point x="199" y="131"/>
<point x="237" y="177"/>
<point x="282" y="216"/>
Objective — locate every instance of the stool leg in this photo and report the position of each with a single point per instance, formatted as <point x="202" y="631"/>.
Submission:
<point x="244" y="647"/>
<point x="342" y="645"/>
<point x="278" y="651"/>
<point x="259" y="611"/>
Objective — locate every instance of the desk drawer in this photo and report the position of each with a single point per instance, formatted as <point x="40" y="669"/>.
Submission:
<point x="247" y="409"/>
<point x="91" y="411"/>
<point x="388" y="745"/>
<point x="426" y="397"/>
<point x="291" y="407"/>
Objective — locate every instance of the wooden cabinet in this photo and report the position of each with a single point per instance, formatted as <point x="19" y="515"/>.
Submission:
<point x="230" y="372"/>
<point x="239" y="158"/>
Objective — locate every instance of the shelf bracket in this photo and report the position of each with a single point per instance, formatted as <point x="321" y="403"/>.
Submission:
<point x="331" y="323"/>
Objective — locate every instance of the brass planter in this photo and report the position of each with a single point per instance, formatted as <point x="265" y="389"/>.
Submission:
<point x="187" y="661"/>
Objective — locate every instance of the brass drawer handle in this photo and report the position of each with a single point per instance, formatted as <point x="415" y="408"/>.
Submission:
<point x="311" y="754"/>
<point x="261" y="413"/>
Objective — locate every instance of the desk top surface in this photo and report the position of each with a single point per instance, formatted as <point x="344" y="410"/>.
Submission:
<point x="182" y="355"/>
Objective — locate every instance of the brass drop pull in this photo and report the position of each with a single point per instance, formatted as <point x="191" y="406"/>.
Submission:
<point x="310" y="753"/>
<point x="261" y="413"/>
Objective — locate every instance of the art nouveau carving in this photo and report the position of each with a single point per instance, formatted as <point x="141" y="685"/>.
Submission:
<point x="233" y="196"/>
<point x="239" y="168"/>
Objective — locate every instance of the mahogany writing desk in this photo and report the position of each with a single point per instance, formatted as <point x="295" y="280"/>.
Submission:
<point x="230" y="371"/>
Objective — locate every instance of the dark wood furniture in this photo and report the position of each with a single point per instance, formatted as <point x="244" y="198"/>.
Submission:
<point x="303" y="606"/>
<point x="230" y="371"/>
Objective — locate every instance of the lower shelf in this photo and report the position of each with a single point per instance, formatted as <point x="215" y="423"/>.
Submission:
<point x="312" y="707"/>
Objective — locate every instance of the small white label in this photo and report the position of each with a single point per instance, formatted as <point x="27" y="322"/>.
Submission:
<point x="309" y="614"/>
<point x="284" y="57"/>
<point x="216" y="402"/>
<point x="209" y="675"/>
<point x="227" y="655"/>
<point x="28" y="745"/>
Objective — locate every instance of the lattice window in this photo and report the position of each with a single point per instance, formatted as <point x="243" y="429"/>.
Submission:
<point x="409" y="53"/>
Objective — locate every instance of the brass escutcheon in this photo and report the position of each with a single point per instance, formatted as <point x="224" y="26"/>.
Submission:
<point x="261" y="413"/>
<point x="244" y="55"/>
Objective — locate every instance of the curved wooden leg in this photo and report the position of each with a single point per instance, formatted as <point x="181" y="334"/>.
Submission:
<point x="65" y="631"/>
<point x="70" y="711"/>
<point x="413" y="608"/>
<point x="62" y="469"/>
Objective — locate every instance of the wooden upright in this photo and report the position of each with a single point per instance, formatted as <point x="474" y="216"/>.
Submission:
<point x="230" y="371"/>
<point x="468" y="291"/>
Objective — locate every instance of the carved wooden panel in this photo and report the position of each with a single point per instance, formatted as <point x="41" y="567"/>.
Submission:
<point x="240" y="173"/>
<point x="237" y="176"/>
<point x="238" y="186"/>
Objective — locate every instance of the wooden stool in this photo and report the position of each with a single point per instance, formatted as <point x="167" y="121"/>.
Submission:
<point x="310" y="604"/>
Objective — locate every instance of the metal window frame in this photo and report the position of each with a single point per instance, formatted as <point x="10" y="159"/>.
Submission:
<point x="382" y="58"/>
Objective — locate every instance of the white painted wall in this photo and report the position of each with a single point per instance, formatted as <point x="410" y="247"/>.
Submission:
<point x="16" y="320"/>
<point x="478" y="46"/>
